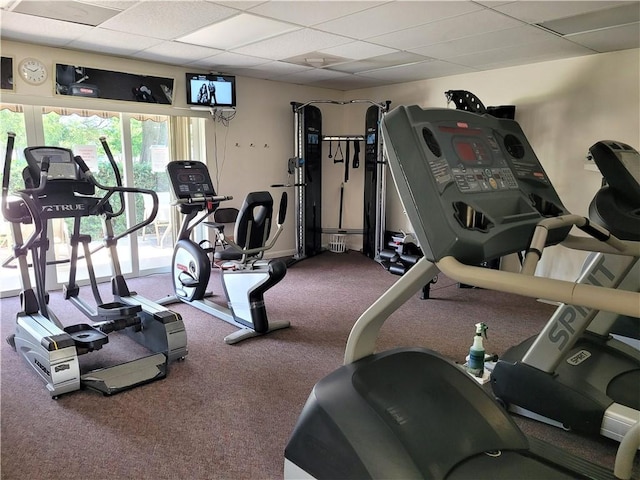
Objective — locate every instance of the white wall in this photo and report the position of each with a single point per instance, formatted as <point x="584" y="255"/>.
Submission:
<point x="563" y="106"/>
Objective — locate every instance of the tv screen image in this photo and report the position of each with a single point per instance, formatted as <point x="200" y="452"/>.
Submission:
<point x="211" y="90"/>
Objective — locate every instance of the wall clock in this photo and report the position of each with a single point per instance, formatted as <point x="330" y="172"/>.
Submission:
<point x="33" y="71"/>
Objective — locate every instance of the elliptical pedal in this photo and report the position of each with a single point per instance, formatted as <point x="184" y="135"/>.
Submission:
<point x="127" y="375"/>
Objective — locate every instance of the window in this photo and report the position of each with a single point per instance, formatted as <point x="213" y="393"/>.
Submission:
<point x="150" y="155"/>
<point x="141" y="146"/>
<point x="80" y="131"/>
<point x="12" y="120"/>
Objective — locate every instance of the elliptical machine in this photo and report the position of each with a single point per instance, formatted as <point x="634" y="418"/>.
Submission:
<point x="245" y="275"/>
<point x="59" y="185"/>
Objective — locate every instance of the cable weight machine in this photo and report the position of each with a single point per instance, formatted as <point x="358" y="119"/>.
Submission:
<point x="307" y="170"/>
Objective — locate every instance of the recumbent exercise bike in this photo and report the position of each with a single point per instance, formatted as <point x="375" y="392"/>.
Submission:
<point x="245" y="275"/>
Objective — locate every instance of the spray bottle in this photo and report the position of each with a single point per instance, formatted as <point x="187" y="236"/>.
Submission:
<point x="475" y="365"/>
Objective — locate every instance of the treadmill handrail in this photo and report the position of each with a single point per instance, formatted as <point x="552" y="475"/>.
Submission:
<point x="361" y="341"/>
<point x="600" y="298"/>
<point x="539" y="240"/>
<point x="631" y="248"/>
<point x="362" y="338"/>
<point x="626" y="452"/>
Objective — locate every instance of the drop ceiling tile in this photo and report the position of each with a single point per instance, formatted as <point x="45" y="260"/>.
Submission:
<point x="551" y="49"/>
<point x="395" y="16"/>
<point x="115" y="4"/>
<point x="176" y="52"/>
<point x="594" y="20"/>
<point x="240" y="5"/>
<point x="610" y="39"/>
<point x="237" y="31"/>
<point x="484" y="41"/>
<point x="112" y="43"/>
<point x="358" y="50"/>
<point x="401" y="73"/>
<point x="446" y="30"/>
<point x="271" y="70"/>
<point x="310" y="75"/>
<point x="418" y="71"/>
<point x="42" y="31"/>
<point x="350" y="82"/>
<point x="445" y="37"/>
<point x="440" y="68"/>
<point x="383" y="61"/>
<point x="229" y="59"/>
<point x="292" y="44"/>
<point x="309" y="13"/>
<point x="542" y="11"/>
<point x="315" y="59"/>
<point x="74" y="12"/>
<point x="168" y="19"/>
<point x="491" y="4"/>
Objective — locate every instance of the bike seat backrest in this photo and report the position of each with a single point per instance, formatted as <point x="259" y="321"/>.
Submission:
<point x="253" y="224"/>
<point x="225" y="215"/>
<point x="64" y="174"/>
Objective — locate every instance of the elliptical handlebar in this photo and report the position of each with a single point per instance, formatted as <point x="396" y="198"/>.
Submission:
<point x="25" y="195"/>
<point x="11" y="138"/>
<point x="116" y="172"/>
<point x="119" y="189"/>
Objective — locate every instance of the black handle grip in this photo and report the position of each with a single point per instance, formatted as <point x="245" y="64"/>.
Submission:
<point x="44" y="164"/>
<point x="283" y="208"/>
<point x="81" y="163"/>
<point x="11" y="138"/>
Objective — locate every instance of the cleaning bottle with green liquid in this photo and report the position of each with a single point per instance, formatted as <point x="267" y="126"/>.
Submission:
<point x="475" y="364"/>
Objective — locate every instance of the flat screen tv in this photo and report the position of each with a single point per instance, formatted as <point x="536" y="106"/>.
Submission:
<point x="211" y="90"/>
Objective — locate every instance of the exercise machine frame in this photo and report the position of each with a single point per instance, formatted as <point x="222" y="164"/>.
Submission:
<point x="455" y="175"/>
<point x="300" y="185"/>
<point x="43" y="342"/>
<point x="244" y="280"/>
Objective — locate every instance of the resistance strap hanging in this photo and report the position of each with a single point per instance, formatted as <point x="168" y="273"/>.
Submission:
<point x="356" y="153"/>
<point x="337" y="159"/>
<point x="341" y="203"/>
<point x="346" y="163"/>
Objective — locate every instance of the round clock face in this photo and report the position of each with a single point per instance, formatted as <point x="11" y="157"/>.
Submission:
<point x="33" y="71"/>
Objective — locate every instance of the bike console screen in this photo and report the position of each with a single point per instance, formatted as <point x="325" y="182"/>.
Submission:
<point x="190" y="179"/>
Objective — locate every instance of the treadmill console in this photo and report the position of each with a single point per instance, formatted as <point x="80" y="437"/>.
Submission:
<point x="472" y="185"/>
<point x="616" y="206"/>
<point x="190" y="179"/>
<point x="619" y="164"/>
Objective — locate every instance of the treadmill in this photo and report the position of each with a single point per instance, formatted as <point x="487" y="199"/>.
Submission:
<point x="576" y="374"/>
<point x="473" y="190"/>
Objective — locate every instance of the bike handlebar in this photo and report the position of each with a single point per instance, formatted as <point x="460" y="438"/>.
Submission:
<point x="200" y="200"/>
